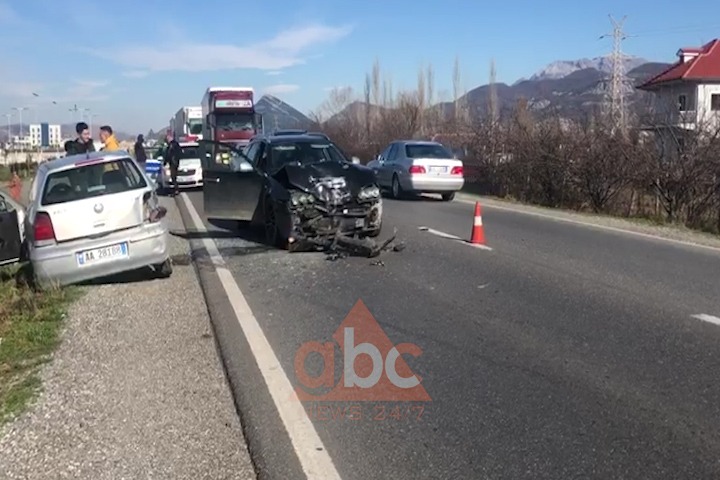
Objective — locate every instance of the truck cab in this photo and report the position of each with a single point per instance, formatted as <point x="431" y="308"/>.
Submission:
<point x="229" y="116"/>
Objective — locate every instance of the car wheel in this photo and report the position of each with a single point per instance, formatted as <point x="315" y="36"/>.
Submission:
<point x="165" y="269"/>
<point x="448" y="197"/>
<point x="273" y="237"/>
<point x="396" y="188"/>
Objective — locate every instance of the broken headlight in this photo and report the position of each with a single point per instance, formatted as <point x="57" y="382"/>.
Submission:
<point x="369" y="193"/>
<point x="301" y="198"/>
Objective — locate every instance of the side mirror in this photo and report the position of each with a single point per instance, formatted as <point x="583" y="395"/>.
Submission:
<point x="356" y="160"/>
<point x="210" y="120"/>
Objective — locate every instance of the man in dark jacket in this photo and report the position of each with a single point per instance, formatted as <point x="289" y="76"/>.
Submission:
<point x="172" y="159"/>
<point x="140" y="154"/>
<point x="83" y="143"/>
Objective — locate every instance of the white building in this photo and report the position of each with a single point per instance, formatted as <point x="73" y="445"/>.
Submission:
<point x="50" y="132"/>
<point x="687" y="94"/>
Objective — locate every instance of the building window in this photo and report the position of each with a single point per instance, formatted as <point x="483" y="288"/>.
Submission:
<point x="715" y="102"/>
<point x="682" y="103"/>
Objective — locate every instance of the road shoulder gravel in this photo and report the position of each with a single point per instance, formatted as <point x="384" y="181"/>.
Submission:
<point x="135" y="390"/>
<point x="633" y="226"/>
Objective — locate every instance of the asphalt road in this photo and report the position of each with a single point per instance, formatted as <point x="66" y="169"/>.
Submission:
<point x="565" y="352"/>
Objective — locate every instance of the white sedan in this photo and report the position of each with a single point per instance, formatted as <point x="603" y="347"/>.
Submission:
<point x="419" y="167"/>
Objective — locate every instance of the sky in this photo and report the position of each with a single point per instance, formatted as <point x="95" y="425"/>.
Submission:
<point x="133" y="64"/>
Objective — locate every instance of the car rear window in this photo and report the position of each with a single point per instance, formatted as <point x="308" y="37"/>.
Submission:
<point x="92" y="180"/>
<point x="427" y="151"/>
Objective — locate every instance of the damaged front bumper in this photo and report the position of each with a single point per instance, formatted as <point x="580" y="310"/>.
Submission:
<point x="319" y="224"/>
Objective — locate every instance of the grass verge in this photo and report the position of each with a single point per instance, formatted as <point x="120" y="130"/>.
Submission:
<point x="30" y="323"/>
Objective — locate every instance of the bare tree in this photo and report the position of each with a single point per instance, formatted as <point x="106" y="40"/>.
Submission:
<point x="421" y="93"/>
<point x="493" y="96"/>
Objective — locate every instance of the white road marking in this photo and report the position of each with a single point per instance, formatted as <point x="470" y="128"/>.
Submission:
<point x="453" y="237"/>
<point x="439" y="233"/>
<point x="593" y="225"/>
<point x="311" y="452"/>
<point x="478" y="245"/>
<point x="707" y="318"/>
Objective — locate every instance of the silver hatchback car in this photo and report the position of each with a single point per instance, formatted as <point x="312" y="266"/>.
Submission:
<point x="413" y="166"/>
<point x="94" y="215"/>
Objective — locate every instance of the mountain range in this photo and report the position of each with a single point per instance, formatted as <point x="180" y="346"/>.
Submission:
<point x="568" y="88"/>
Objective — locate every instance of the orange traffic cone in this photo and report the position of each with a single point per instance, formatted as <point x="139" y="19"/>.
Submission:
<point x="478" y="232"/>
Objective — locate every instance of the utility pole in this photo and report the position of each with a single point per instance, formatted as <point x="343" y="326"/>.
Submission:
<point x="20" y="110"/>
<point x="9" y="130"/>
<point x="618" y="114"/>
<point x="74" y="110"/>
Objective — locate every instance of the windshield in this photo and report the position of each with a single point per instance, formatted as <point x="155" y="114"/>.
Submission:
<point x="190" y="152"/>
<point x="195" y="126"/>
<point x="234" y="121"/>
<point x="427" y="151"/>
<point x="93" y="180"/>
<point x="304" y="153"/>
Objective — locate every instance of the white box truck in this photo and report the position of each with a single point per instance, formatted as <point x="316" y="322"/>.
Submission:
<point x="187" y="124"/>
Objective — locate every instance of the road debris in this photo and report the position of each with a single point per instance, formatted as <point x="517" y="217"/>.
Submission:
<point x="343" y="246"/>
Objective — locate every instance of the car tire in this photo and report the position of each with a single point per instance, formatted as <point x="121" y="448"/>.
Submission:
<point x="165" y="269"/>
<point x="397" y="191"/>
<point x="448" y="197"/>
<point x="273" y="237"/>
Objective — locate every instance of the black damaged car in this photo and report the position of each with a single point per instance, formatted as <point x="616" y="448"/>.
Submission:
<point x="298" y="186"/>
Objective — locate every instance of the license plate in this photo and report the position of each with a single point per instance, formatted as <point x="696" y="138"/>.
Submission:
<point x="360" y="223"/>
<point x="438" y="169"/>
<point x="102" y="254"/>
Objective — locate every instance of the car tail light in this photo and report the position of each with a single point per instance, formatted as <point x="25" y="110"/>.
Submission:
<point x="43" y="230"/>
<point x="456" y="171"/>
<point x="417" y="169"/>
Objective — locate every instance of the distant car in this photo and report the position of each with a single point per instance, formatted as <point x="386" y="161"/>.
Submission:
<point x="299" y="187"/>
<point x="189" y="171"/>
<point x="419" y="167"/>
<point x="94" y="215"/>
<point x="12" y="231"/>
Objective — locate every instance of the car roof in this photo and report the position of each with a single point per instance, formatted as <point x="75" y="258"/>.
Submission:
<point x="419" y="142"/>
<point x="62" y="163"/>
<point x="292" y="136"/>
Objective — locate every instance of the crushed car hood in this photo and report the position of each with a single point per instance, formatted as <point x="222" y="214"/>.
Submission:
<point x="304" y="177"/>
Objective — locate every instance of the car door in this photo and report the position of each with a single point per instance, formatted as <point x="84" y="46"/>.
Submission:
<point x="376" y="164"/>
<point x="385" y="168"/>
<point x="390" y="165"/>
<point x="232" y="194"/>
<point x="10" y="240"/>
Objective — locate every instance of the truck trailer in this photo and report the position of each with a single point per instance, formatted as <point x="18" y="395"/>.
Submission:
<point x="187" y="124"/>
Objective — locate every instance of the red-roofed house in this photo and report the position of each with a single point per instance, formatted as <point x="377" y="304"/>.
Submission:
<point x="687" y="94"/>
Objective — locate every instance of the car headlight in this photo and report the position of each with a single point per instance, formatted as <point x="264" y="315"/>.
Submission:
<point x="369" y="193"/>
<point x="301" y="198"/>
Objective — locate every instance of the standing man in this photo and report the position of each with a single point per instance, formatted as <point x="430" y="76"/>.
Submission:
<point x="83" y="143"/>
<point x="108" y="138"/>
<point x="140" y="154"/>
<point x="172" y="159"/>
